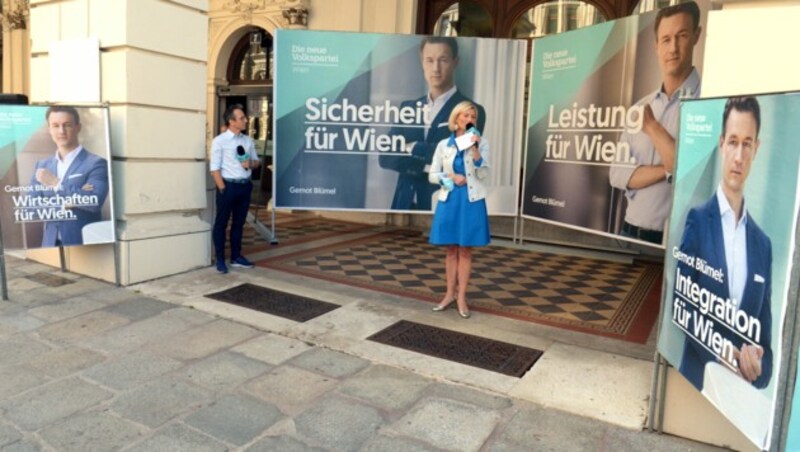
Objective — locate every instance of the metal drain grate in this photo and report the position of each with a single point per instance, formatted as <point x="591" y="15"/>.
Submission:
<point x="500" y="357"/>
<point x="49" y="279"/>
<point x="275" y="302"/>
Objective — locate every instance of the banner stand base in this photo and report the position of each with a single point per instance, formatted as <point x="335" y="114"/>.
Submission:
<point x="62" y="259"/>
<point x="658" y="391"/>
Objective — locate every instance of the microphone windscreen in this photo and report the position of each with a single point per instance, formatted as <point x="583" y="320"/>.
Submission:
<point x="469" y="126"/>
<point x="240" y="149"/>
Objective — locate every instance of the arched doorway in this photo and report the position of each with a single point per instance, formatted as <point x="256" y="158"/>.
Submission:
<point x="248" y="81"/>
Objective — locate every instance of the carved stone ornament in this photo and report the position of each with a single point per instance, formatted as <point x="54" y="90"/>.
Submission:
<point x="245" y="7"/>
<point x="296" y="13"/>
<point x="14" y="16"/>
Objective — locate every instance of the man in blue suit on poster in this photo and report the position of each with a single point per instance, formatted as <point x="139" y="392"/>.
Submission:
<point x="738" y="258"/>
<point x="439" y="58"/>
<point x="74" y="182"/>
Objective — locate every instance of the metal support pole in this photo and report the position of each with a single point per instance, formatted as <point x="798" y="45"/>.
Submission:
<point x="3" y="279"/>
<point x="662" y="393"/>
<point x="63" y="258"/>
<point x="257" y="224"/>
<point x="788" y="370"/>
<point x="654" y="400"/>
<point x="516" y="226"/>
<point x="274" y="240"/>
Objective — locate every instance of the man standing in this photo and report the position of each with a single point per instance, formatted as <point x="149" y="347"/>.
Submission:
<point x="72" y="173"/>
<point x="647" y="184"/>
<point x="723" y="233"/>
<point x="439" y="57"/>
<point x="233" y="157"/>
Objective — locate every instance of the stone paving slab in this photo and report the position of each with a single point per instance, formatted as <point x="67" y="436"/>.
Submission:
<point x="131" y="370"/>
<point x="8" y="435"/>
<point x="448" y="424"/>
<point x="328" y="362"/>
<point x="290" y="388"/>
<point x="17" y="379"/>
<point x="223" y="372"/>
<point x="204" y="340"/>
<point x="159" y="401"/>
<point x="339" y="424"/>
<point x="19" y="349"/>
<point x="283" y="444"/>
<point x="179" y="438"/>
<point x="71" y="307"/>
<point x="386" y="443"/>
<point x="272" y="348"/>
<point x="24" y="445"/>
<point x="82" y="327"/>
<point x="153" y="329"/>
<point x="139" y="308"/>
<point x="95" y="431"/>
<point x="7" y="330"/>
<point x="66" y="361"/>
<point x="469" y="395"/>
<point x="386" y="387"/>
<point x="235" y="419"/>
<point x="79" y="287"/>
<point x="23" y="322"/>
<point x="47" y="404"/>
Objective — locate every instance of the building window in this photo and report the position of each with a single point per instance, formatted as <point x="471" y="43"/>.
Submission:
<point x="252" y="61"/>
<point x="650" y="5"/>
<point x="555" y="16"/>
<point x="464" y="18"/>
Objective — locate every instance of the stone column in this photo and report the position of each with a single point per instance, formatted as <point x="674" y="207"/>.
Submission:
<point x="153" y="63"/>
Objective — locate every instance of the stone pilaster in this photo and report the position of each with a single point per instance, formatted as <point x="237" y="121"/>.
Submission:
<point x="154" y="61"/>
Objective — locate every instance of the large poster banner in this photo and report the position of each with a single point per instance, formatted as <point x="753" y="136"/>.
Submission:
<point x="602" y="121"/>
<point x="55" y="176"/>
<point x="358" y="117"/>
<point x="728" y="261"/>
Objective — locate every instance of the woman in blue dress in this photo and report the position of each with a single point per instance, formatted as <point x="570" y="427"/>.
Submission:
<point x="460" y="221"/>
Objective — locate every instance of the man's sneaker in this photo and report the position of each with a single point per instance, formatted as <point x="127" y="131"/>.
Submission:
<point x="221" y="267"/>
<point x="241" y="262"/>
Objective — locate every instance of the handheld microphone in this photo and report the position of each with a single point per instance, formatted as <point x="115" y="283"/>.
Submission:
<point x="471" y="129"/>
<point x="241" y="154"/>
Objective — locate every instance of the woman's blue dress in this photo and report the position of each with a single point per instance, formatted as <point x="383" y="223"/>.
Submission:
<point x="457" y="221"/>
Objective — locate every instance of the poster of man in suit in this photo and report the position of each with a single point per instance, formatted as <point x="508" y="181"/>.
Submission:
<point x="728" y="260"/>
<point x="55" y="176"/>
<point x="439" y="59"/>
<point x="358" y="116"/>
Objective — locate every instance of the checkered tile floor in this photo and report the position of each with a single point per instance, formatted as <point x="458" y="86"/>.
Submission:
<point x="292" y="229"/>
<point x="590" y="295"/>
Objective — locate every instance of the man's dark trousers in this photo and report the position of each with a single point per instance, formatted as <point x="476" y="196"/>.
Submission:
<point x="233" y="201"/>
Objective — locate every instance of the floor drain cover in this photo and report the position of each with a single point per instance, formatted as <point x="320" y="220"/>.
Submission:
<point x="49" y="279"/>
<point x="507" y="359"/>
<point x="275" y="302"/>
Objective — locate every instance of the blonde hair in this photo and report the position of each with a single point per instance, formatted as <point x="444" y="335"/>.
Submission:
<point x="457" y="110"/>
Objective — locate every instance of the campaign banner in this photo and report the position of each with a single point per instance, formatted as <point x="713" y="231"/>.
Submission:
<point x="358" y="117"/>
<point x="728" y="261"/>
<point x="602" y="121"/>
<point x="55" y="175"/>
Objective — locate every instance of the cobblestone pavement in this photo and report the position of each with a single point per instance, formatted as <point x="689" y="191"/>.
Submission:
<point x="87" y="366"/>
